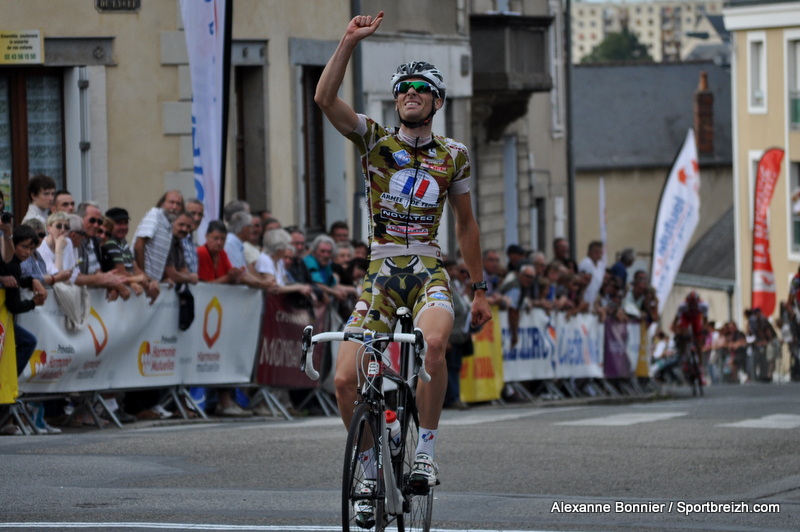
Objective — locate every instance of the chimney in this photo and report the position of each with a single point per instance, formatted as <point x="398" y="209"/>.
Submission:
<point x="704" y="116"/>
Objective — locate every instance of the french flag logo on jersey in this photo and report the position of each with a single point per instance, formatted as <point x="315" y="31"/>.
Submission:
<point x="416" y="184"/>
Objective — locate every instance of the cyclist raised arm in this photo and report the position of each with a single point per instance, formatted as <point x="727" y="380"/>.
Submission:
<point x="410" y="174"/>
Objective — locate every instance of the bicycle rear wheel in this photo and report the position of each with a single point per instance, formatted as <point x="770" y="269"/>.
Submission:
<point x="417" y="507"/>
<point x="362" y="464"/>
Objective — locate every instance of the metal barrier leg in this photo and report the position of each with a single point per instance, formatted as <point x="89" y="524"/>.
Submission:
<point x="19" y="412"/>
<point x="98" y="398"/>
<point x="183" y="393"/>
<point x="553" y="390"/>
<point x="271" y="401"/>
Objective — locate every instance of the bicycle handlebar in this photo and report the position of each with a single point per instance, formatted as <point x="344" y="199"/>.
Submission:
<point x="310" y="340"/>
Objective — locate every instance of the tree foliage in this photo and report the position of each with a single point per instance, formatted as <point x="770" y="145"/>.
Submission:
<point x="617" y="47"/>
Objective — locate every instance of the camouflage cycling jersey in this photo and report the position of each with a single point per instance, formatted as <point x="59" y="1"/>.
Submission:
<point x="407" y="187"/>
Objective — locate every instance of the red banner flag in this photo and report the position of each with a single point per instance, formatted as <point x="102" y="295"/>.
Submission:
<point x="769" y="168"/>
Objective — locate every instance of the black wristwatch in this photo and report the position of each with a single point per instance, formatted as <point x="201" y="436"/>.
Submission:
<point x="480" y="285"/>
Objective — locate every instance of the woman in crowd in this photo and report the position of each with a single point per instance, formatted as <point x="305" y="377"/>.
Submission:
<point x="56" y="249"/>
<point x="277" y="256"/>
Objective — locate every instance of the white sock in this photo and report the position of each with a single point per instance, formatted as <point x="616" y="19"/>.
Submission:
<point x="427" y="439"/>
<point x="368" y="464"/>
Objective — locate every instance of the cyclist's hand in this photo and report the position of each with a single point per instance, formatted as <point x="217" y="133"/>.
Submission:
<point x="481" y="313"/>
<point x="362" y="26"/>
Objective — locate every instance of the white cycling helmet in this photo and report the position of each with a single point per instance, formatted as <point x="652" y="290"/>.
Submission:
<point x="420" y="69"/>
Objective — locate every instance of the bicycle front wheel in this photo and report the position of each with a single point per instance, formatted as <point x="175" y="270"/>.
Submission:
<point x="417" y="507"/>
<point x="363" y="490"/>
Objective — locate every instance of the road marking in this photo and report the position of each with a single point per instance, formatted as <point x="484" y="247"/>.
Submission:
<point x="622" y="420"/>
<point x="775" y="421"/>
<point x="196" y="526"/>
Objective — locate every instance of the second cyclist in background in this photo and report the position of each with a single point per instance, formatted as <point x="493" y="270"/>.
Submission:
<point x="409" y="173"/>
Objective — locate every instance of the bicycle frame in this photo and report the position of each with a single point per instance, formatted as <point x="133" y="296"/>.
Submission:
<point x="371" y="391"/>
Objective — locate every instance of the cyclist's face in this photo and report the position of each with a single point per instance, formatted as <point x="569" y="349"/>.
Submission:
<point x="413" y="106"/>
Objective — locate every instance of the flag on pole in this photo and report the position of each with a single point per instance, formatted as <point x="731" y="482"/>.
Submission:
<point x="763" y="294"/>
<point x="676" y="219"/>
<point x="206" y="25"/>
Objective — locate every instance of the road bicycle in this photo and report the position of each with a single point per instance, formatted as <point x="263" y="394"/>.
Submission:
<point x="376" y="470"/>
<point x="690" y="360"/>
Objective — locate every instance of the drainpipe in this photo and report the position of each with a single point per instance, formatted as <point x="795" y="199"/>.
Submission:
<point x="358" y="104"/>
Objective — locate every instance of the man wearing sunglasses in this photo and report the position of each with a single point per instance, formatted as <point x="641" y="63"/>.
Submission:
<point x="410" y="174"/>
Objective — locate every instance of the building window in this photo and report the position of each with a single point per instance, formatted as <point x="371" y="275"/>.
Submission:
<point x="794" y="178"/>
<point x="757" y="72"/>
<point x="31" y="132"/>
<point x="793" y="80"/>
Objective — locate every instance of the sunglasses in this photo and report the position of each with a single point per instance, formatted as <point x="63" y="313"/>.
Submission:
<point x="420" y="87"/>
<point x="97" y="221"/>
<point x="61" y="226"/>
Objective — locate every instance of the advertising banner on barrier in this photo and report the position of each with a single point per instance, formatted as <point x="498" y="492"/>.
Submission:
<point x="551" y="346"/>
<point x="280" y="344"/>
<point x="482" y="373"/>
<point x="8" y="355"/>
<point x="131" y="344"/>
<point x="579" y="352"/>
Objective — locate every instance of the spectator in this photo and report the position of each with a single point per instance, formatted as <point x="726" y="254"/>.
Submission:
<point x="63" y="202"/>
<point x="340" y="231"/>
<point x="493" y="275"/>
<point x="35" y="267"/>
<point x="640" y="301"/>
<point x="516" y="255"/>
<point x="176" y="270"/>
<point x="520" y="293"/>
<point x="239" y="229"/>
<point x="252" y="246"/>
<point x="41" y="189"/>
<point x="460" y="341"/>
<point x="6" y="231"/>
<point x="593" y="265"/>
<point x="609" y="301"/>
<point x="25" y="241"/>
<point x="297" y="271"/>
<point x="92" y="274"/>
<point x="117" y="255"/>
<point x="232" y="207"/>
<point x="539" y="263"/>
<point x="575" y="285"/>
<point x="360" y="249"/>
<point x="104" y="232"/>
<point x="554" y="295"/>
<point x="271" y="223"/>
<point x="57" y="249"/>
<point x="620" y="268"/>
<point x="562" y="253"/>
<point x="215" y="267"/>
<point x="320" y="266"/>
<point x="275" y="261"/>
<point x="196" y="210"/>
<point x="154" y="235"/>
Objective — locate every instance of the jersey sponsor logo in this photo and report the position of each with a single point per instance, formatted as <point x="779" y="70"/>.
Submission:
<point x="402" y="157"/>
<point x="404" y="216"/>
<point x="416" y="184"/>
<point x="437" y="168"/>
<point x="440" y="296"/>
<point x="406" y="230"/>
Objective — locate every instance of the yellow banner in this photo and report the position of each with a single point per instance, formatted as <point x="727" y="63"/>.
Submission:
<point x="21" y="47"/>
<point x="482" y="373"/>
<point x="642" y="363"/>
<point x="8" y="359"/>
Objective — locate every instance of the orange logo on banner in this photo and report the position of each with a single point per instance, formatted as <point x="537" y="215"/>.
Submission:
<point x="98" y="346"/>
<point x="213" y="305"/>
<point x="144" y="351"/>
<point x="38" y="360"/>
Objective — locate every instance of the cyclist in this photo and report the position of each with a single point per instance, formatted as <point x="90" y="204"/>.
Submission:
<point x="690" y="321"/>
<point x="409" y="174"/>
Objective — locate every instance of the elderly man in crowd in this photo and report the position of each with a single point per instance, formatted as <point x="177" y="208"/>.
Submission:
<point x="88" y="249"/>
<point x="239" y="229"/>
<point x="319" y="262"/>
<point x="154" y="236"/>
<point x="177" y="270"/>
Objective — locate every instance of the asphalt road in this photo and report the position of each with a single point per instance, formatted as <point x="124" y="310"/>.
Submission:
<point x="680" y="463"/>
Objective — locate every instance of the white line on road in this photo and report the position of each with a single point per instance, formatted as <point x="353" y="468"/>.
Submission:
<point x="196" y="526"/>
<point x="775" y="421"/>
<point x="621" y="420"/>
